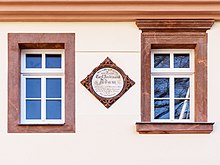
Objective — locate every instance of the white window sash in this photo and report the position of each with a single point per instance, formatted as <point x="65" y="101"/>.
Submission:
<point x="172" y="73"/>
<point x="172" y="69"/>
<point x="43" y="69"/>
<point x="43" y="74"/>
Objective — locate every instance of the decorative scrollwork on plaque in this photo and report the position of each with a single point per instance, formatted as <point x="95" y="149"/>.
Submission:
<point x="107" y="82"/>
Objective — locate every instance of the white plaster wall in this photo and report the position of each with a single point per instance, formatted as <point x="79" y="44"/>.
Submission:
<point x="107" y="136"/>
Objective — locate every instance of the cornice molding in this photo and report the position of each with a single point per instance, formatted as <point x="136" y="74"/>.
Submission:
<point x="105" y="10"/>
<point x="175" y="25"/>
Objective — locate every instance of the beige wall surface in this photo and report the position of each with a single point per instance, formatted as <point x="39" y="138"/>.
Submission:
<point x="108" y="136"/>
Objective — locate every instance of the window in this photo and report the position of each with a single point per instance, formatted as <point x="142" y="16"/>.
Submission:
<point x="172" y="81"/>
<point x="41" y="83"/>
<point x="42" y="86"/>
<point x="174" y="77"/>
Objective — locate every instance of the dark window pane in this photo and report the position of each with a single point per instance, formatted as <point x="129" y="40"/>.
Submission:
<point x="161" y="60"/>
<point x="53" y="60"/>
<point x="182" y="87"/>
<point x="33" y="88"/>
<point x="53" y="87"/>
<point x="161" y="87"/>
<point x="181" y="60"/>
<point x="33" y="109"/>
<point x="53" y="109"/>
<point x="33" y="61"/>
<point x="161" y="109"/>
<point x="182" y="109"/>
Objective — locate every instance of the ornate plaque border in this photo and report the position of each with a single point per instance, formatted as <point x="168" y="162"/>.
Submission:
<point x="107" y="63"/>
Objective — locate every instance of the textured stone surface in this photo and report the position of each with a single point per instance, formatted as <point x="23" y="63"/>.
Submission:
<point x="174" y="128"/>
<point x="16" y="41"/>
<point x="185" y="35"/>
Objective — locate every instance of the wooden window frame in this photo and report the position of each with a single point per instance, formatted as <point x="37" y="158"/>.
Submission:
<point x="19" y="41"/>
<point x="175" y="34"/>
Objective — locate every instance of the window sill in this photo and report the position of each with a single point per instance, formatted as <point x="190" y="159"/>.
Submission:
<point x="40" y="124"/>
<point x="174" y="128"/>
<point x="43" y="128"/>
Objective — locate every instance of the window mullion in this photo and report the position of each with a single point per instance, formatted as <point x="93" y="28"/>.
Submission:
<point x="171" y="61"/>
<point x="43" y="99"/>
<point x="43" y="61"/>
<point x="43" y="88"/>
<point x="172" y="109"/>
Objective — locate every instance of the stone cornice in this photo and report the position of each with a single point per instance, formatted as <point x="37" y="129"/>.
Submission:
<point x="105" y="10"/>
<point x="175" y="25"/>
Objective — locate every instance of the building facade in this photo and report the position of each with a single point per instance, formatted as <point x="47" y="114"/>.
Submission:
<point x="167" y="109"/>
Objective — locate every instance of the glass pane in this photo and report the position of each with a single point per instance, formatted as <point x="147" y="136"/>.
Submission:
<point x="182" y="109"/>
<point x="182" y="87"/>
<point x="33" y="88"/>
<point x="53" y="109"/>
<point x="33" y="109"/>
<point x="161" y="109"/>
<point x="181" y="60"/>
<point x="161" y="60"/>
<point x="161" y="87"/>
<point x="53" y="60"/>
<point x="33" y="61"/>
<point x="53" y="87"/>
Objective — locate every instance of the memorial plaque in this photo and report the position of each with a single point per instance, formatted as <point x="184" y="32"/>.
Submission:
<point x="107" y="82"/>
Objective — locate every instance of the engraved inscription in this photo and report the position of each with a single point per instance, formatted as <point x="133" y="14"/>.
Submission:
<point x="107" y="82"/>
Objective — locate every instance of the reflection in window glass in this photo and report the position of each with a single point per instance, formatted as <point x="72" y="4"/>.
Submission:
<point x="181" y="60"/>
<point x="53" y="109"/>
<point x="53" y="87"/>
<point x="182" y="109"/>
<point x="161" y="60"/>
<point x="161" y="109"/>
<point x="33" y="109"/>
<point x="161" y="87"/>
<point x="172" y="88"/>
<point x="33" y="88"/>
<point x="33" y="60"/>
<point x="182" y="88"/>
<point x="53" y="60"/>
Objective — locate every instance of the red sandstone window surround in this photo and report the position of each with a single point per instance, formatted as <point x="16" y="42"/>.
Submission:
<point x="175" y="34"/>
<point x="19" y="41"/>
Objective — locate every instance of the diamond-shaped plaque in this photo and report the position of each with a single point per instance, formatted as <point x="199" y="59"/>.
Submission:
<point x="107" y="82"/>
